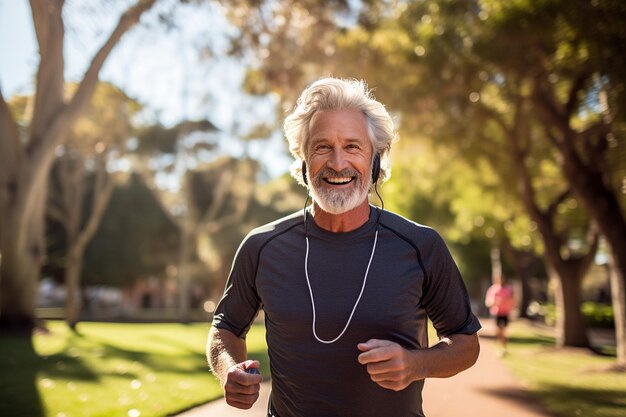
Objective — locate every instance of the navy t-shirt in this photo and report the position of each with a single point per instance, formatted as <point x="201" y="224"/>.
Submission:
<point x="412" y="277"/>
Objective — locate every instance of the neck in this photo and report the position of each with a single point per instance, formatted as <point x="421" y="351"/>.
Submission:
<point x="343" y="222"/>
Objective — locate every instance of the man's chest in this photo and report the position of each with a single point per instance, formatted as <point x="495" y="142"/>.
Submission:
<point x="390" y="299"/>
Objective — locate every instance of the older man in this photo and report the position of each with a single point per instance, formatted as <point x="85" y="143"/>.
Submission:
<point x="346" y="287"/>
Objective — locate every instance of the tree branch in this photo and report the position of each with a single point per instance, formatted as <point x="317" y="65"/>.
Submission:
<point x="58" y="128"/>
<point x="101" y="196"/>
<point x="221" y="190"/>
<point x="90" y="79"/>
<point x="155" y="193"/>
<point x="48" y="23"/>
<point x="495" y="116"/>
<point x="554" y="205"/>
<point x="10" y="155"/>
<point x="593" y="241"/>
<point x="55" y="213"/>
<point x="578" y="84"/>
<point x="544" y="221"/>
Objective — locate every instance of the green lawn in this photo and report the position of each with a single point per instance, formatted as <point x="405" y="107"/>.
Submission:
<point x="570" y="382"/>
<point x="141" y="370"/>
<point x="110" y="369"/>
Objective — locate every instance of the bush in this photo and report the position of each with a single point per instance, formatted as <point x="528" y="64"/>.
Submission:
<point x="596" y="314"/>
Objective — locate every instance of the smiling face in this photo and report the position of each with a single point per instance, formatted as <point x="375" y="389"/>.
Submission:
<point x="339" y="157"/>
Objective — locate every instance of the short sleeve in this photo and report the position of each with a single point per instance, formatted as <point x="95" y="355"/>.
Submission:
<point x="445" y="296"/>
<point x="240" y="303"/>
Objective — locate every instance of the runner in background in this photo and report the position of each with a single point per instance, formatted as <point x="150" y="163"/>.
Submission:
<point x="500" y="301"/>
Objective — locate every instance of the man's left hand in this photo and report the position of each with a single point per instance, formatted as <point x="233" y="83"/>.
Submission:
<point x="390" y="365"/>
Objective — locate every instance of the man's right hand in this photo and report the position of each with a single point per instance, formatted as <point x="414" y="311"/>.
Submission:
<point x="241" y="388"/>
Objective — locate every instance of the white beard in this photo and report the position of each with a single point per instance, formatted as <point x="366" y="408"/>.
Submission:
<point x="339" y="201"/>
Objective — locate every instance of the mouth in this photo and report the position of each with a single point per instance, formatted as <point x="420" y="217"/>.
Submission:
<point x="339" y="180"/>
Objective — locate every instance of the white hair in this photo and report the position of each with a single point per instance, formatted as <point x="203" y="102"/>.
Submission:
<point x="332" y="94"/>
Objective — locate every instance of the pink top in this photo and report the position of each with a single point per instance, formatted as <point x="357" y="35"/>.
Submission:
<point x="499" y="299"/>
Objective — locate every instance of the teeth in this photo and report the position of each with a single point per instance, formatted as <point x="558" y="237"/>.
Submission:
<point x="339" y="180"/>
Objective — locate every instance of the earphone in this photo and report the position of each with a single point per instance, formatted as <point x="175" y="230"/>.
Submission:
<point x="375" y="170"/>
<point x="375" y="176"/>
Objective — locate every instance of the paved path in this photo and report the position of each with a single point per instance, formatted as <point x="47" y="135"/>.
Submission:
<point x="487" y="389"/>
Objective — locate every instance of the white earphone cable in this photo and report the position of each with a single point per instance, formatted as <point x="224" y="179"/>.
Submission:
<point x="306" y="273"/>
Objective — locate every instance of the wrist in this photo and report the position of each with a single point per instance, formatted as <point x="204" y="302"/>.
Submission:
<point x="419" y="364"/>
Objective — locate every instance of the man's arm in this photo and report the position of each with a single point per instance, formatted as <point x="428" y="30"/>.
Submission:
<point x="393" y="367"/>
<point x="227" y="355"/>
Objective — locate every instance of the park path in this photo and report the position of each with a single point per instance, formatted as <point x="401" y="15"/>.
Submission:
<point x="488" y="389"/>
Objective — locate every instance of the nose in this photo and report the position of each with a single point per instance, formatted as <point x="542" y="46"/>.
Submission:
<point x="338" y="161"/>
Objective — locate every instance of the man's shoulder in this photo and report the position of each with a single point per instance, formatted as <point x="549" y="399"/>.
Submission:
<point x="408" y="229"/>
<point x="266" y="232"/>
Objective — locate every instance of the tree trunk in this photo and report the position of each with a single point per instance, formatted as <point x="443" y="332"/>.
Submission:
<point x="72" y="188"/>
<point x="18" y="279"/>
<point x="571" y="328"/>
<point x="604" y="208"/>
<point x="22" y="249"/>
<point x="73" y="303"/>
<point x="591" y="186"/>
<point x="187" y="244"/>
<point x="24" y="183"/>
<point x="618" y="294"/>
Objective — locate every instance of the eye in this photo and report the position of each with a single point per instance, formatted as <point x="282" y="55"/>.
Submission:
<point x="321" y="148"/>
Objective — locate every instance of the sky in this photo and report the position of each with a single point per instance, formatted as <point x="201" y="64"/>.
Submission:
<point x="163" y="70"/>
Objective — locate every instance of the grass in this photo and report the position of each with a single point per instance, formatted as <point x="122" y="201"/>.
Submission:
<point x="156" y="370"/>
<point x="570" y="382"/>
<point x="110" y="369"/>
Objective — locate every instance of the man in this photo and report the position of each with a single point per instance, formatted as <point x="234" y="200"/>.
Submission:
<point x="500" y="300"/>
<point x="346" y="287"/>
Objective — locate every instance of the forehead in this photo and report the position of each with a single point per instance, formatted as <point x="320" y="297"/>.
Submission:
<point x="339" y="124"/>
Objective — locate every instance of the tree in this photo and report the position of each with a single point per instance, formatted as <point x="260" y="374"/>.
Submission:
<point x="211" y="192"/>
<point x="455" y="76"/>
<point x="464" y="88"/>
<point x="135" y="239"/>
<point x="472" y="203"/>
<point x="563" y="92"/>
<point x="79" y="171"/>
<point x="26" y="157"/>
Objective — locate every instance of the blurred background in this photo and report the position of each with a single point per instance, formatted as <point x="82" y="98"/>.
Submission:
<point x="141" y="140"/>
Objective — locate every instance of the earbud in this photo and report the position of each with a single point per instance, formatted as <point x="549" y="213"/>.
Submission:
<point x="304" y="178"/>
<point x="376" y="168"/>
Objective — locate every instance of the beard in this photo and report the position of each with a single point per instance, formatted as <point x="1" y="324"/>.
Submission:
<point x="337" y="201"/>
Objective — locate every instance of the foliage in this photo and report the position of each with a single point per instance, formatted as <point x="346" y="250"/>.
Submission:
<point x="522" y="132"/>
<point x="272" y="200"/>
<point x="109" y="369"/>
<point x="144" y="239"/>
<point x="79" y="180"/>
<point x="596" y="314"/>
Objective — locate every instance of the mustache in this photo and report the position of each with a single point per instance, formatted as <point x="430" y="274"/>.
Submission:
<point x="329" y="172"/>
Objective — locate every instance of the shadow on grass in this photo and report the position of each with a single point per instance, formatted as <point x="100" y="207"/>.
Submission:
<point x="520" y="396"/>
<point x="532" y="340"/>
<point x="563" y="400"/>
<point x="19" y="365"/>
<point x="568" y="401"/>
<point x="155" y="361"/>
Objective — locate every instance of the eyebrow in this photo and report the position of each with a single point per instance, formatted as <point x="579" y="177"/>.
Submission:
<point x="314" y="141"/>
